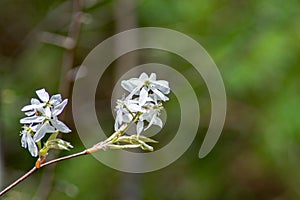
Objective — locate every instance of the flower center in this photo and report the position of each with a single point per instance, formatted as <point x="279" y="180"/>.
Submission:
<point x="147" y="83"/>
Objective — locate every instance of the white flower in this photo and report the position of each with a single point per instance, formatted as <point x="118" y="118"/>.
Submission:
<point x="27" y="140"/>
<point x="55" y="123"/>
<point x="143" y="104"/>
<point x="126" y="110"/>
<point x="151" y="116"/>
<point x="46" y="104"/>
<point x="157" y="88"/>
<point x="45" y="111"/>
<point x="123" y="115"/>
<point x="41" y="119"/>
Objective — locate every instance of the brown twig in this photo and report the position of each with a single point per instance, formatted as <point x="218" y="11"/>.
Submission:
<point x="95" y="148"/>
<point x="19" y="180"/>
<point x="34" y="169"/>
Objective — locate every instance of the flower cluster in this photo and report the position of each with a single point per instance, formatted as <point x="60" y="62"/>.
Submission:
<point x="143" y="105"/>
<point x="42" y="117"/>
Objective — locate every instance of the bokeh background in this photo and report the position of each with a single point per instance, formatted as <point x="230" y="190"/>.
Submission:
<point x="256" y="45"/>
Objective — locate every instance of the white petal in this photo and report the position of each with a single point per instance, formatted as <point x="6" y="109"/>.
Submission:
<point x="32" y="107"/>
<point x="59" y="108"/>
<point x="137" y="82"/>
<point x="43" y="95"/>
<point x="163" y="86"/>
<point x="146" y="116"/>
<point x="28" y="107"/>
<point x="35" y="101"/>
<point x="154" y="98"/>
<point x="152" y="77"/>
<point x="134" y="108"/>
<point x="127" y="118"/>
<point x="33" y="119"/>
<point x="149" y="99"/>
<point x="23" y="139"/>
<point x="35" y="127"/>
<point x="133" y="92"/>
<point x="143" y="77"/>
<point x="127" y="85"/>
<point x="60" y="126"/>
<point x="160" y="95"/>
<point x="139" y="127"/>
<point x="29" y="113"/>
<point x="158" y="122"/>
<point x="143" y="97"/>
<point x="151" y="122"/>
<point x="45" y="128"/>
<point x="47" y="112"/>
<point x="119" y="117"/>
<point x="116" y="126"/>
<point x="31" y="145"/>
<point x="55" y="99"/>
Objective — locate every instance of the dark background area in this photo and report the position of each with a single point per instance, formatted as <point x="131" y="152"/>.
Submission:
<point x="255" y="44"/>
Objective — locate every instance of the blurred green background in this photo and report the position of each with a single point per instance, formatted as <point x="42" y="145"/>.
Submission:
<point x="255" y="44"/>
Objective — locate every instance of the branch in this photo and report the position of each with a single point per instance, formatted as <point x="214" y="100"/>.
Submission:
<point x="19" y="180"/>
<point x="85" y="152"/>
<point x="34" y="169"/>
<point x="95" y="148"/>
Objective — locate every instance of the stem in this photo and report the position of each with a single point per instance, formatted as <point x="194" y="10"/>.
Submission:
<point x="34" y="169"/>
<point x="64" y="158"/>
<point x="122" y="130"/>
<point x="19" y="180"/>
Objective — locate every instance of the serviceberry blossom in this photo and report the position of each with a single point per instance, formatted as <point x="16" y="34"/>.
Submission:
<point x="147" y="87"/>
<point x="143" y="102"/>
<point x="42" y="118"/>
<point x="55" y="102"/>
<point x="27" y="140"/>
<point x="151" y="115"/>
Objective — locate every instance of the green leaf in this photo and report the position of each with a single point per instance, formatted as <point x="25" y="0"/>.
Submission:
<point x="43" y="152"/>
<point x="144" y="139"/>
<point x="145" y="146"/>
<point x="133" y="139"/>
<point x="58" y="144"/>
<point x="53" y="135"/>
<point x="125" y="146"/>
